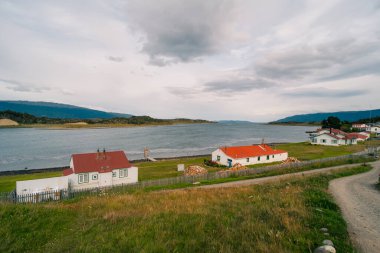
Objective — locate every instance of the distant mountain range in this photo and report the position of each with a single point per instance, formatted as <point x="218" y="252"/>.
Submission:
<point x="350" y="116"/>
<point x="56" y="110"/>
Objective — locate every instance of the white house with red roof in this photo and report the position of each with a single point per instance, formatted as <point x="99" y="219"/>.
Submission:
<point x="334" y="137"/>
<point x="91" y="170"/>
<point x="100" y="169"/>
<point x="248" y="155"/>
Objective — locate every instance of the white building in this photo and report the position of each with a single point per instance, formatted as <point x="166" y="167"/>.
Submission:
<point x="248" y="155"/>
<point x="91" y="170"/>
<point x="375" y="129"/>
<point x="360" y="126"/>
<point x="334" y="137"/>
<point x="100" y="169"/>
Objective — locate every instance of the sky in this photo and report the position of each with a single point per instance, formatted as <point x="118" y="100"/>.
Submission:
<point x="216" y="60"/>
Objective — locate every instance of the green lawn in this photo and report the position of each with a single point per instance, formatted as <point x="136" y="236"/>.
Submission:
<point x="306" y="151"/>
<point x="278" y="217"/>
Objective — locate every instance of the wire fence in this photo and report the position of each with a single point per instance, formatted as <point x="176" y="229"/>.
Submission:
<point x="65" y="194"/>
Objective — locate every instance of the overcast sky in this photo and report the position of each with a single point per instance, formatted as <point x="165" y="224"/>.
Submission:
<point x="244" y="60"/>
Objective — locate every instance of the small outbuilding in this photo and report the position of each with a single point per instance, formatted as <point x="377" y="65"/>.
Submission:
<point x="248" y="155"/>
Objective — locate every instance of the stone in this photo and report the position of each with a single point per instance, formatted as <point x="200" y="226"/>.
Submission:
<point x="324" y="230"/>
<point x="328" y="242"/>
<point x="325" y="249"/>
<point x="326" y="234"/>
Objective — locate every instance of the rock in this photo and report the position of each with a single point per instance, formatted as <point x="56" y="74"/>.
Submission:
<point x="328" y="242"/>
<point x="326" y="234"/>
<point x="324" y="230"/>
<point x="325" y="249"/>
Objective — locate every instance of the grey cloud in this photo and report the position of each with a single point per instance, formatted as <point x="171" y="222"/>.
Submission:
<point x="325" y="93"/>
<point x="237" y="85"/>
<point x="329" y="61"/>
<point x="22" y="86"/>
<point x="180" y="31"/>
<point x="115" y="58"/>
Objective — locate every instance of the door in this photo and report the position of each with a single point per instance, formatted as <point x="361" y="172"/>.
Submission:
<point x="105" y="179"/>
<point x="229" y="163"/>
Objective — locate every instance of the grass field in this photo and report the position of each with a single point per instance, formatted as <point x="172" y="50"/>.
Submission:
<point x="305" y="151"/>
<point x="280" y="217"/>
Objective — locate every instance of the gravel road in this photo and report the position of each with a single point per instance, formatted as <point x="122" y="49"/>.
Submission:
<point x="359" y="201"/>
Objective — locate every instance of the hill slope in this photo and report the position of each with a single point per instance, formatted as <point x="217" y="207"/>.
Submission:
<point x="56" y="110"/>
<point x="318" y="117"/>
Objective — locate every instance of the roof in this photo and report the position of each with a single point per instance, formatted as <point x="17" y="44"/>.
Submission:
<point x="357" y="136"/>
<point x="99" y="162"/>
<point x="250" y="151"/>
<point x="68" y="171"/>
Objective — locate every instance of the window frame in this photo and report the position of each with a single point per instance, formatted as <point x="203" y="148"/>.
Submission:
<point x="95" y="177"/>
<point x="123" y="173"/>
<point x="82" y="178"/>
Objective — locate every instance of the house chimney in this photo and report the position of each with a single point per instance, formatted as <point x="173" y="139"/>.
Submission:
<point x="104" y="154"/>
<point x="330" y="130"/>
<point x="98" y="154"/>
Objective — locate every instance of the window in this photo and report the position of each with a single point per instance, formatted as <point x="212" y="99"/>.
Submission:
<point x="272" y="156"/>
<point x="334" y="141"/>
<point x="247" y="160"/>
<point x="258" y="158"/>
<point x="94" y="176"/>
<point x="267" y="157"/>
<point x="123" y="173"/>
<point x="323" y="140"/>
<point x="83" y="178"/>
<point x="218" y="158"/>
<point x="113" y="173"/>
<point x="314" y="140"/>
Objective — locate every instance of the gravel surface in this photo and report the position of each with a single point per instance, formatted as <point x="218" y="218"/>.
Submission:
<point x="359" y="201"/>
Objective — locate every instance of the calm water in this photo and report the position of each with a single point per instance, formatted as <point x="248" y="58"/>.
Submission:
<point x="41" y="148"/>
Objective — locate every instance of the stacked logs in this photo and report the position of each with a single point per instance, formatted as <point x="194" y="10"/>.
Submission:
<point x="194" y="170"/>
<point x="290" y="160"/>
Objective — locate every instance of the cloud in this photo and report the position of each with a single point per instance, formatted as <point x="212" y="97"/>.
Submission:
<point x="115" y="58"/>
<point x="321" y="92"/>
<point x="337" y="59"/>
<point x="23" y="87"/>
<point x="180" y="31"/>
<point x="237" y="85"/>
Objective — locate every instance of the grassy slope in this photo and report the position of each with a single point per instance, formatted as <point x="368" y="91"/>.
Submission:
<point x="281" y="217"/>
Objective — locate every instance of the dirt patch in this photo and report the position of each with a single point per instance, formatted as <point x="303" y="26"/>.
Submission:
<point x="77" y="124"/>
<point x="8" y="122"/>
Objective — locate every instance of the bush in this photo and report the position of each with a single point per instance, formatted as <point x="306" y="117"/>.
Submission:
<point x="213" y="164"/>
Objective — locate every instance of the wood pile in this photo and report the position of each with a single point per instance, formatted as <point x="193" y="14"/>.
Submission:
<point x="236" y="167"/>
<point x="194" y="170"/>
<point x="290" y="160"/>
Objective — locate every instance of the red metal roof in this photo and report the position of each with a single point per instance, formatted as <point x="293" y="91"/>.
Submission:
<point x="250" y="151"/>
<point x="99" y="162"/>
<point x="67" y="172"/>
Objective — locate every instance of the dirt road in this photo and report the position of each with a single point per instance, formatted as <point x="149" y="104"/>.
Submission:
<point x="360" y="203"/>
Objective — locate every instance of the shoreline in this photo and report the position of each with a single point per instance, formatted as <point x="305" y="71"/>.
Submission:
<point x="98" y="126"/>
<point x="60" y="168"/>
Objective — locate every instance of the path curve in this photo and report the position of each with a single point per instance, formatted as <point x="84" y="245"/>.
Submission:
<point x="359" y="201"/>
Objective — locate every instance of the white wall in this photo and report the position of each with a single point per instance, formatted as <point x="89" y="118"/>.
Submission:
<point x="329" y="141"/>
<point x="100" y="182"/>
<point x="41" y="185"/>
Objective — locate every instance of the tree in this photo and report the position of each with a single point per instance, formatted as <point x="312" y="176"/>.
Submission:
<point x="331" y="122"/>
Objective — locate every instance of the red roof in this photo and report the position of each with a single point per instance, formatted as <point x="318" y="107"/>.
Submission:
<point x="68" y="171"/>
<point x="250" y="151"/>
<point x="357" y="136"/>
<point x="99" y="162"/>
